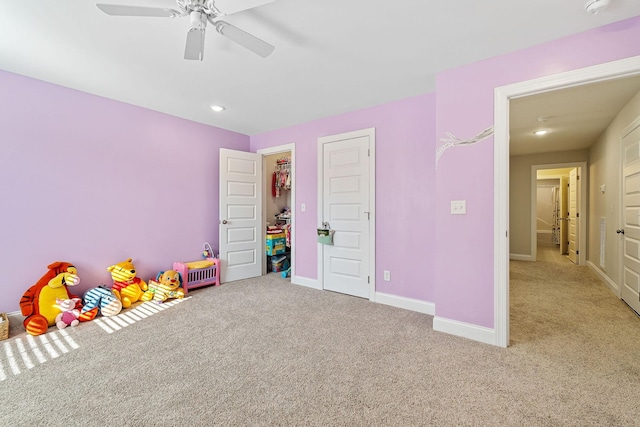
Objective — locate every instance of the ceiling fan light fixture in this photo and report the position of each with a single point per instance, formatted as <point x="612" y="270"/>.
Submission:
<point x="218" y="108"/>
<point x="594" y="7"/>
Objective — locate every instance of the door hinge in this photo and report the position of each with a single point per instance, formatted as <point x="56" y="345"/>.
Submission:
<point x="577" y="214"/>
<point x="368" y="279"/>
<point x="368" y="152"/>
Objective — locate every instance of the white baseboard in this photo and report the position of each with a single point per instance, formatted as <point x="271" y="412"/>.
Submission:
<point x="406" y="303"/>
<point x="15" y="314"/>
<point x="613" y="286"/>
<point x="521" y="257"/>
<point x="453" y="327"/>
<point x="305" y="281"/>
<point x="465" y="330"/>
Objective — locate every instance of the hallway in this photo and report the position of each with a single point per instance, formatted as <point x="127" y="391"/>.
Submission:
<point x="561" y="304"/>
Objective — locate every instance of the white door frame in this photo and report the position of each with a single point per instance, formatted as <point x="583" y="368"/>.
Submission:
<point x="266" y="152"/>
<point x="611" y="70"/>
<point x="582" y="230"/>
<point x="371" y="133"/>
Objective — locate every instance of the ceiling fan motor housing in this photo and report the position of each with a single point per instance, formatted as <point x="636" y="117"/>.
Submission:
<point x="206" y="6"/>
<point x="198" y="20"/>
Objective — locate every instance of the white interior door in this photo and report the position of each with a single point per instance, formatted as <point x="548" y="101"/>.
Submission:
<point x="574" y="216"/>
<point x="630" y="290"/>
<point x="564" y="215"/>
<point x="346" y="205"/>
<point x="241" y="241"/>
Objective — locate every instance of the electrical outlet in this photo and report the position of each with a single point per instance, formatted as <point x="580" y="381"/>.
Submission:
<point x="458" y="207"/>
<point x="387" y="276"/>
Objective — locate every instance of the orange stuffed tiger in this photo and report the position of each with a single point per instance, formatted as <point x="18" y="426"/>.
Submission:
<point x="38" y="303"/>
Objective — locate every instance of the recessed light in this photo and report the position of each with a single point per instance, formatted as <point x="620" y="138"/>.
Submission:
<point x="217" y="108"/>
<point x="541" y="132"/>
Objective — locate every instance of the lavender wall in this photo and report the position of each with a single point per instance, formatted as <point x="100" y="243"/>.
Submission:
<point x="94" y="181"/>
<point x="464" y="256"/>
<point x="404" y="190"/>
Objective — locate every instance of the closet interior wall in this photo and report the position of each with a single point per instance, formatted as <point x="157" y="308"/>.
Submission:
<point x="275" y="205"/>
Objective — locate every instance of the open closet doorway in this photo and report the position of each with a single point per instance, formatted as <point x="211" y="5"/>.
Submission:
<point x="278" y="165"/>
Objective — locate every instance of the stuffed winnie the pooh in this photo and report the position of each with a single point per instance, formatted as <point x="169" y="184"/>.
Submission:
<point x="127" y="287"/>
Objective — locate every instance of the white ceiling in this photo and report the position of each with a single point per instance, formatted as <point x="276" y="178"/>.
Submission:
<point x="331" y="56"/>
<point x="574" y="117"/>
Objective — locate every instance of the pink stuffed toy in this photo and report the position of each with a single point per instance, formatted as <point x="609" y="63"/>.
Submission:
<point x="69" y="315"/>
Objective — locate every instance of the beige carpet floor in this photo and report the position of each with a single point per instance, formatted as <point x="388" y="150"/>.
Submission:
<point x="264" y="352"/>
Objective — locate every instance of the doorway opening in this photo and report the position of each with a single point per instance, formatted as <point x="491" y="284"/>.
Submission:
<point x="278" y="210"/>
<point x="555" y="221"/>
<point x="503" y="96"/>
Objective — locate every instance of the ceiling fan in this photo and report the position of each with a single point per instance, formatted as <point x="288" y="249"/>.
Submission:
<point x="199" y="11"/>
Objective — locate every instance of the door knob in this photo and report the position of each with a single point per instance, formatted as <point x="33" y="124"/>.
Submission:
<point x="224" y="221"/>
<point x="620" y="231"/>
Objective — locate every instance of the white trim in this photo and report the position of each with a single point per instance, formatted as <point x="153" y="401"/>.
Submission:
<point x="500" y="219"/>
<point x="305" y="281"/>
<point x="465" y="330"/>
<point x="15" y="314"/>
<point x="605" y="279"/>
<point x="406" y="303"/>
<point x="521" y="257"/>
<point x="275" y="150"/>
<point x="502" y="95"/>
<point x="371" y="133"/>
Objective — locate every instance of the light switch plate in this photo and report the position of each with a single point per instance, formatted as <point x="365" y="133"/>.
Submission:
<point x="458" y="207"/>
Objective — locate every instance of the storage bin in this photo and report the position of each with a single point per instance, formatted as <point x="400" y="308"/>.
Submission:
<point x="4" y="326"/>
<point x="279" y="263"/>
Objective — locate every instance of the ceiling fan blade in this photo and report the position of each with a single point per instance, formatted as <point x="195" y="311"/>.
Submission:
<point x="120" y="10"/>
<point x="254" y="44"/>
<point x="227" y="7"/>
<point x="194" y="48"/>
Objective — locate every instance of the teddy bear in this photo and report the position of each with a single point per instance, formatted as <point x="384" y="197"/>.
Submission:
<point x="69" y="314"/>
<point x="127" y="287"/>
<point x="167" y="285"/>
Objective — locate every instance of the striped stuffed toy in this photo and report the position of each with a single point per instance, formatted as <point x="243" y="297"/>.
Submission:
<point x="167" y="285"/>
<point x="101" y="299"/>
